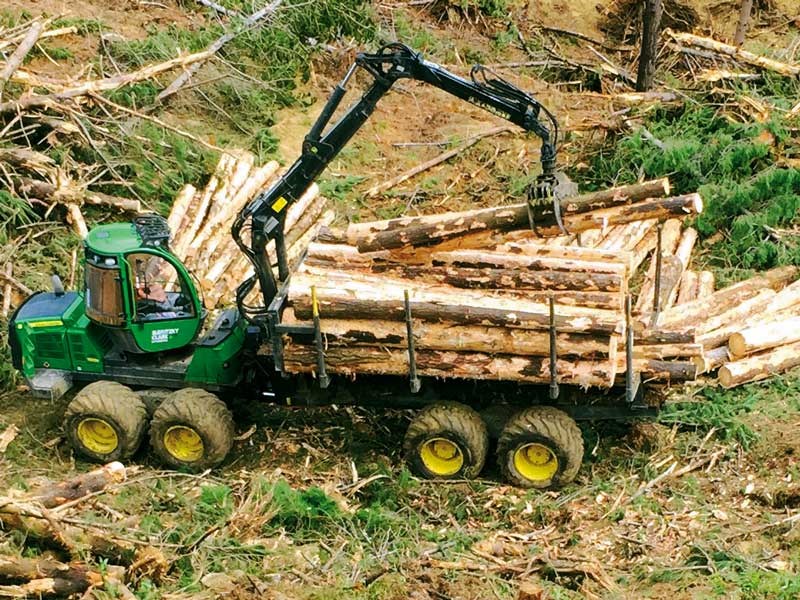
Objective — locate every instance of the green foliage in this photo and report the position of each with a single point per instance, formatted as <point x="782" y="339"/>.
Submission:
<point x="720" y="409"/>
<point x="84" y="26"/>
<point x="215" y="501"/>
<point x="14" y="211"/>
<point x="135" y="95"/>
<point x="730" y="164"/>
<point x="309" y="510"/>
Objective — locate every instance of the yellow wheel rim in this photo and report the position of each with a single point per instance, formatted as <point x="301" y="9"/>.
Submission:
<point x="535" y="462"/>
<point x="441" y="457"/>
<point x="97" y="435"/>
<point x="184" y="443"/>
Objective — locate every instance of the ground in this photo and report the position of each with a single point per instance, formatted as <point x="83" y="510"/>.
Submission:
<point x="316" y="503"/>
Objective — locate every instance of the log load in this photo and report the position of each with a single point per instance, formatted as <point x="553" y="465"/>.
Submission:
<point x="379" y="298"/>
<point x="670" y="238"/>
<point x="461" y="365"/>
<point x="461" y="338"/>
<point x="711" y="360"/>
<point x="427" y="230"/>
<point x="760" y="366"/>
<point x="688" y="287"/>
<point x="706" y="284"/>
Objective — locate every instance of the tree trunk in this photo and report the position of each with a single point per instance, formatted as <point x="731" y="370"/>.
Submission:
<point x="461" y="365"/>
<point x="706" y="283"/>
<point x="738" y="313"/>
<point x="642" y="249"/>
<point x="764" y="337"/>
<point x="720" y="337"/>
<point x="475" y="338"/>
<point x="760" y="366"/>
<point x="669" y="371"/>
<point x="45" y="578"/>
<point x="651" y="28"/>
<point x="79" y="486"/>
<point x="711" y="359"/>
<point x="744" y="22"/>
<point x="664" y="351"/>
<point x="429" y="230"/>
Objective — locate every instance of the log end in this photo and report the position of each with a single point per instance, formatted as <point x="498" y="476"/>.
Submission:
<point x="726" y="378"/>
<point x="666" y="185"/>
<point x="696" y="203"/>
<point x="737" y="346"/>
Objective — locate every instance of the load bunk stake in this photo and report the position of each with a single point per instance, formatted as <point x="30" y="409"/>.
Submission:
<point x="322" y="374"/>
<point x="553" y="353"/>
<point x="632" y="380"/>
<point x="412" y="360"/>
<point x="657" y="286"/>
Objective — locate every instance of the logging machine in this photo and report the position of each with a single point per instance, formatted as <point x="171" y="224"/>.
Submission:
<point x="138" y="325"/>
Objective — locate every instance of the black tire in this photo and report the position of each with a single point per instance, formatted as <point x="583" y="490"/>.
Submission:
<point x="447" y="423"/>
<point x="496" y="416"/>
<point x="187" y="413"/>
<point x="540" y="430"/>
<point x="105" y="421"/>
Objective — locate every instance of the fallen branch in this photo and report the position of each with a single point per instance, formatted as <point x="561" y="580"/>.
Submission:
<point x="25" y="46"/>
<point x="96" y="86"/>
<point x="249" y="22"/>
<point x="444" y="156"/>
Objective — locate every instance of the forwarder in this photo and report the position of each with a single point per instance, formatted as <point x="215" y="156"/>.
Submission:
<point x="138" y="324"/>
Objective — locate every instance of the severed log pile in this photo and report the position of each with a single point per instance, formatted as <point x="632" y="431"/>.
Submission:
<point x="200" y="221"/>
<point x="479" y="284"/>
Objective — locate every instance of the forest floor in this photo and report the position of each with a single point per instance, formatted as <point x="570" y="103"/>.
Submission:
<point x="316" y="503"/>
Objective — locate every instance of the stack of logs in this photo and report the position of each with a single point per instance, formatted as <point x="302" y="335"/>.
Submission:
<point x="479" y="285"/>
<point x="201" y="220"/>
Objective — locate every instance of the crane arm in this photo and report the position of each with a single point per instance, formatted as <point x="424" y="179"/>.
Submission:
<point x="265" y="214"/>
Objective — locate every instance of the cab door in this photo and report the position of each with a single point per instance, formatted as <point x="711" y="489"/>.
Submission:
<point x="167" y="313"/>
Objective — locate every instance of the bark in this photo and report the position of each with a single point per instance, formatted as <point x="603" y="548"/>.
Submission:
<point x="185" y="237"/>
<point x="461" y="365"/>
<point x="642" y="249"/>
<point x="711" y="359"/>
<point x="645" y="336"/>
<point x="651" y="28"/>
<point x="500" y="260"/>
<point x="576" y="253"/>
<point x="764" y="337"/>
<point x="706" y="283"/>
<point x="43" y="190"/>
<point x="628" y="236"/>
<point x="311" y="216"/>
<point x="44" y="577"/>
<point x="788" y="297"/>
<point x="698" y="311"/>
<point x="654" y="370"/>
<point x="295" y="252"/>
<point x="739" y="55"/>
<point x="461" y="338"/>
<point x="760" y="366"/>
<point x="383" y="300"/>
<point x="428" y="230"/>
<point x="744" y="22"/>
<point x="688" y="287"/>
<point x="662" y="351"/>
<point x="719" y="337"/>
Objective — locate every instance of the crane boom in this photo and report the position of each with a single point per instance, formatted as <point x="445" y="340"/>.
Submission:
<point x="265" y="214"/>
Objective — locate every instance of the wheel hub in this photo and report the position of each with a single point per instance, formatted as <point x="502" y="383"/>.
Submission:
<point x="97" y="435"/>
<point x="535" y="462"/>
<point x="442" y="457"/>
<point x="184" y="443"/>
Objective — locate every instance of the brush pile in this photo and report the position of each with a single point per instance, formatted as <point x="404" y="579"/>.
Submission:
<point x="200" y="222"/>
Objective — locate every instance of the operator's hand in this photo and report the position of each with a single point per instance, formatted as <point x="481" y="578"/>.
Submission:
<point x="153" y="291"/>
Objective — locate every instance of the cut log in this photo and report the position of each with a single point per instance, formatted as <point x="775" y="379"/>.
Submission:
<point x="642" y="250"/>
<point x="427" y="230"/>
<point x="180" y="207"/>
<point x="628" y="236"/>
<point x="311" y="216"/>
<point x="15" y="60"/>
<point x="706" y="284"/>
<point x="654" y="370"/>
<point x="75" y="218"/>
<point x="383" y="300"/>
<point x="670" y="238"/>
<point x="446" y="336"/>
<point x="760" y="366"/>
<point x="698" y="311"/>
<point x="764" y="337"/>
<point x="46" y="578"/>
<point x="480" y="259"/>
<point x="787" y="298"/>
<point x="562" y="252"/>
<point x="671" y="282"/>
<point x="719" y="337"/>
<point x="645" y="336"/>
<point x="742" y="56"/>
<point x="688" y="287"/>
<point x="738" y="313"/>
<point x="589" y="238"/>
<point x="711" y="359"/>
<point x="460" y="365"/>
<point x="79" y="486"/>
<point x="295" y="252"/>
<point x="663" y="351"/>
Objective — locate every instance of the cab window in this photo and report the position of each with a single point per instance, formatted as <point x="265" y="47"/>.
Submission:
<point x="103" y="294"/>
<point x="159" y="291"/>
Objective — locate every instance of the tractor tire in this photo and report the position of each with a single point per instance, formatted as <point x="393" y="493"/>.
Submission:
<point x="496" y="416"/>
<point x="105" y="421"/>
<point x="192" y="429"/>
<point x="446" y="440"/>
<point x="540" y="447"/>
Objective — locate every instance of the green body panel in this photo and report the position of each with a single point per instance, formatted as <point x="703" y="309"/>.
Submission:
<point x="63" y="339"/>
<point x="220" y="364"/>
